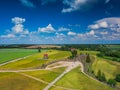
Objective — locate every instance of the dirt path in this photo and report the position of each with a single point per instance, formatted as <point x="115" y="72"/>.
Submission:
<point x="71" y="66"/>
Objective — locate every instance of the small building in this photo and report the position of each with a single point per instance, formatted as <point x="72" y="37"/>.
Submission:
<point x="46" y="56"/>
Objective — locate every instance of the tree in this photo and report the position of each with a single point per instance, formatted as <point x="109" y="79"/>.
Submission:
<point x="74" y="53"/>
<point x="103" y="78"/>
<point x="111" y="82"/>
<point x="99" y="74"/>
<point x="88" y="60"/>
<point x="39" y="49"/>
<point x="117" y="78"/>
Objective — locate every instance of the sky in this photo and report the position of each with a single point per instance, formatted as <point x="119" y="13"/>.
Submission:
<point x="59" y="21"/>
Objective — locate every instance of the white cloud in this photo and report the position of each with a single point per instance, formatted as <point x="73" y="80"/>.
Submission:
<point x="18" y="28"/>
<point x="18" y="20"/>
<point x="27" y="3"/>
<point x="107" y="28"/>
<point x="47" y="29"/>
<point x="63" y="29"/>
<point x="103" y="24"/>
<point x="71" y="33"/>
<point x="8" y="36"/>
<point x="73" y="5"/>
<point x="95" y="26"/>
<point x="91" y="32"/>
<point x="99" y="25"/>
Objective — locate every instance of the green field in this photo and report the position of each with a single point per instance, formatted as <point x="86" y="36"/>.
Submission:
<point x="75" y="79"/>
<point x="114" y="47"/>
<point x="36" y="60"/>
<point x="46" y="75"/>
<point x="15" y="81"/>
<point x="10" y="54"/>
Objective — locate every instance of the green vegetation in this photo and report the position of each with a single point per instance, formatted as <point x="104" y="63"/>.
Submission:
<point x="37" y="61"/>
<point x="77" y="80"/>
<point x="15" y="81"/>
<point x="107" y="68"/>
<point x="46" y="75"/>
<point x="10" y="54"/>
<point x="111" y="82"/>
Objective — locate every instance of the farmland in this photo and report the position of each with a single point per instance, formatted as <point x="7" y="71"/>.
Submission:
<point x="10" y="54"/>
<point x="36" y="61"/>
<point x="29" y="74"/>
<point x="77" y="80"/>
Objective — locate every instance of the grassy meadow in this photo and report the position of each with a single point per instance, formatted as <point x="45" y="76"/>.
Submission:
<point x="11" y="54"/>
<point x="36" y="60"/>
<point x="15" y="81"/>
<point x="75" y="79"/>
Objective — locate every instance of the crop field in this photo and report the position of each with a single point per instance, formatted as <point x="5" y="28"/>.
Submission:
<point x="36" y="60"/>
<point x="46" y="75"/>
<point x="10" y="54"/>
<point x="38" y="79"/>
<point x="75" y="79"/>
<point x="15" y="81"/>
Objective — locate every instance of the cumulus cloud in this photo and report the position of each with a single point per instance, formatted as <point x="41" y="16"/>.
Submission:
<point x="27" y="3"/>
<point x="98" y="25"/>
<point x="18" y="29"/>
<point x="107" y="28"/>
<point x="8" y="36"/>
<point x="18" y="20"/>
<point x="47" y="29"/>
<point x="71" y="33"/>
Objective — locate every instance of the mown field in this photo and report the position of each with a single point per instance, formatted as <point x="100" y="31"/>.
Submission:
<point x="17" y="81"/>
<point x="75" y="79"/>
<point x="10" y="54"/>
<point x="36" y="60"/>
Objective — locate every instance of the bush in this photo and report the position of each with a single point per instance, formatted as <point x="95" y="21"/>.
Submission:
<point x="117" y="78"/>
<point x="111" y="82"/>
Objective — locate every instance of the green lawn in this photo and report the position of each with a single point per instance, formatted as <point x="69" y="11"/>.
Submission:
<point x="46" y="75"/>
<point x="35" y="61"/>
<point x="14" y="81"/>
<point x="77" y="80"/>
<point x="10" y="54"/>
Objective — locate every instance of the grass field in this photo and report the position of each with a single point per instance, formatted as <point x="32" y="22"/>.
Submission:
<point x="77" y="80"/>
<point x="36" y="60"/>
<point x="10" y="54"/>
<point x="109" y="68"/>
<point x="14" y="81"/>
<point x="46" y="75"/>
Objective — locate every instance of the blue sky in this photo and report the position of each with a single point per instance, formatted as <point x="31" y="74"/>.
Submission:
<point x="59" y="21"/>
